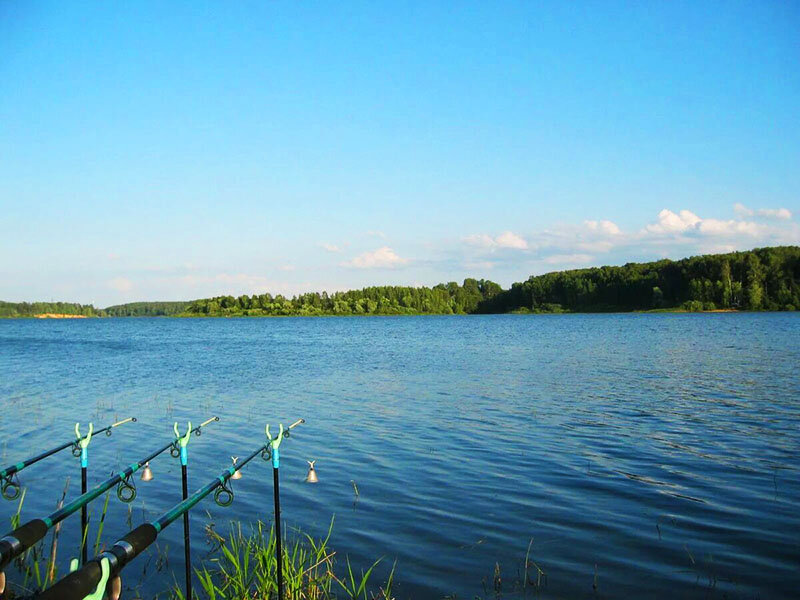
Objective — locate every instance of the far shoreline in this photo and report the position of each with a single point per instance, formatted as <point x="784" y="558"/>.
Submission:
<point x="57" y="316"/>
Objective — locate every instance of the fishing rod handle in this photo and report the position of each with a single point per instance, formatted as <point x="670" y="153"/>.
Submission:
<point x="77" y="585"/>
<point x="84" y="581"/>
<point x="24" y="537"/>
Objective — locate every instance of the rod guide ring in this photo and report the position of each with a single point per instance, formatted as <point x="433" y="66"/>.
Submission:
<point x="10" y="488"/>
<point x="126" y="491"/>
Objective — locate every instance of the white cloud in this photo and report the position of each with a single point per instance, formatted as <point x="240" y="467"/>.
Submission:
<point x="717" y="227"/>
<point x="382" y="258"/>
<point x="121" y="284"/>
<point x="378" y="234"/>
<point x="330" y="247"/>
<point x="780" y="214"/>
<point x="286" y="268"/>
<point x="670" y="222"/>
<point x="507" y="239"/>
<point x="685" y="222"/>
<point x="607" y="227"/>
<point x="511" y="240"/>
<point x="480" y="239"/>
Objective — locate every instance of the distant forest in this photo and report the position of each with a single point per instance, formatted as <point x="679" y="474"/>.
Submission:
<point x="146" y="309"/>
<point x="761" y="279"/>
<point x="30" y="309"/>
<point x="442" y="299"/>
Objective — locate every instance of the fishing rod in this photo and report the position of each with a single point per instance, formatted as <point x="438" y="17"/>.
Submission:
<point x="187" y="551"/>
<point x="274" y="445"/>
<point x="92" y="580"/>
<point x="24" y="537"/>
<point x="9" y="485"/>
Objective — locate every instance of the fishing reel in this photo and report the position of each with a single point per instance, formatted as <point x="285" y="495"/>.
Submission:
<point x="10" y="487"/>
<point x="223" y="495"/>
<point x="126" y="490"/>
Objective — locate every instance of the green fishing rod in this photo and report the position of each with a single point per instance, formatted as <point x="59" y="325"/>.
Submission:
<point x="8" y="477"/>
<point x="92" y="580"/>
<point x="24" y="537"/>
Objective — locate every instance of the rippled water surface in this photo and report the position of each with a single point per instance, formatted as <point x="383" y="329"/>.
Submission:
<point x="635" y="455"/>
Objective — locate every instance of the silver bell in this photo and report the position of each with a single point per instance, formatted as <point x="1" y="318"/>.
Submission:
<point x="236" y="474"/>
<point x="147" y="473"/>
<point x="312" y="473"/>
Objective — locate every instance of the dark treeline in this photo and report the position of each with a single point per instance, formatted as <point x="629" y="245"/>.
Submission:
<point x="29" y="309"/>
<point x="761" y="279"/>
<point x="147" y="309"/>
<point x="442" y="299"/>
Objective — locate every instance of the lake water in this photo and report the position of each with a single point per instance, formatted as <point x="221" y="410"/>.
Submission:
<point x="643" y="455"/>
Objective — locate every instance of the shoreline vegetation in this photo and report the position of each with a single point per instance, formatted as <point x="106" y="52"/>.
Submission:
<point x="763" y="279"/>
<point x="238" y="565"/>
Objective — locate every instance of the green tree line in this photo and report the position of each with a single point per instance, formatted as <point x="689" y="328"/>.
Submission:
<point x="760" y="279"/>
<point x="146" y="309"/>
<point x="29" y="309"/>
<point x="442" y="299"/>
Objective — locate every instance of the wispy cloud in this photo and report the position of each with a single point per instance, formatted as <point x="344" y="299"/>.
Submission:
<point x="780" y="214"/>
<point x="605" y="226"/>
<point x="330" y="247"/>
<point x="382" y="258"/>
<point x="507" y="239"/>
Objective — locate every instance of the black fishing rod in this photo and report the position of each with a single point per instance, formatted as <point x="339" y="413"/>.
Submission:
<point x="183" y="442"/>
<point x="25" y="536"/>
<point x="8" y="476"/>
<point x="274" y="446"/>
<point x="94" y="577"/>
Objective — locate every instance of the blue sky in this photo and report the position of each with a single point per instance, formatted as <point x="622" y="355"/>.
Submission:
<point x="154" y="151"/>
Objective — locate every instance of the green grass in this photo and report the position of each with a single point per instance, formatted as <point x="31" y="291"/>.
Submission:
<point x="245" y="568"/>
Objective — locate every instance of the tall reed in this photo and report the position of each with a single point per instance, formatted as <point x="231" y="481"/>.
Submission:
<point x="246" y="568"/>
